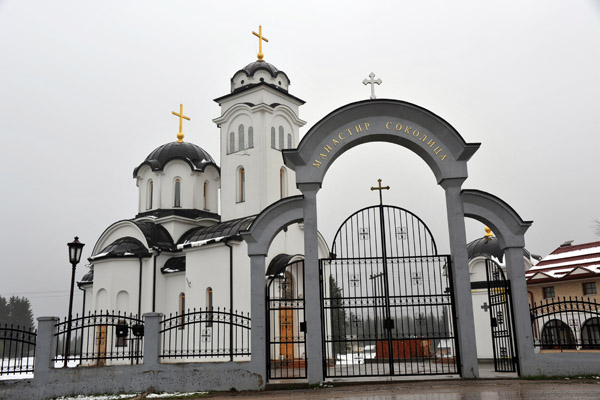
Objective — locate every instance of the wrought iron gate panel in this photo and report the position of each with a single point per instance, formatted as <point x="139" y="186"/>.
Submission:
<point x="501" y="318"/>
<point x="286" y="356"/>
<point x="387" y="298"/>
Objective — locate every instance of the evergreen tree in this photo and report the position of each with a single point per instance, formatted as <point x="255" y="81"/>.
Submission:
<point x="338" y="318"/>
<point x="16" y="311"/>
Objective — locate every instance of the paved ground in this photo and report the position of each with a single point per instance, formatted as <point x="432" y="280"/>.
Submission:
<point x="574" y="389"/>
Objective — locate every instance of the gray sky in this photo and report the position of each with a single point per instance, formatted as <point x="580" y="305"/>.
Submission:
<point x="87" y="90"/>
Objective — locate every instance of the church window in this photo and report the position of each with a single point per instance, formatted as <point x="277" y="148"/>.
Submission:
<point x="232" y="142"/>
<point x="273" y="137"/>
<point x="241" y="187"/>
<point x="241" y="137"/>
<point x="281" y="143"/>
<point x="282" y="182"/>
<point x="209" y="306"/>
<point x="250" y="137"/>
<point x="181" y="310"/>
<point x="205" y="199"/>
<point x="177" y="196"/>
<point x="289" y="143"/>
<point x="149" y="195"/>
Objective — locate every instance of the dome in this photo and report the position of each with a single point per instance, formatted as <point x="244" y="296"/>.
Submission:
<point x="251" y="68"/>
<point x="488" y="247"/>
<point x="195" y="156"/>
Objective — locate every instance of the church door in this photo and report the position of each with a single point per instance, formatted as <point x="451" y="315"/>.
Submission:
<point x="505" y="357"/>
<point x="286" y="355"/>
<point x="387" y="298"/>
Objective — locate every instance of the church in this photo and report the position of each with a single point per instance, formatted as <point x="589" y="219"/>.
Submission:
<point x="183" y="250"/>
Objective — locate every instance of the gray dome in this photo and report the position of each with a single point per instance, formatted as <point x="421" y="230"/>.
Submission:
<point x="488" y="246"/>
<point x="251" y="68"/>
<point x="195" y="156"/>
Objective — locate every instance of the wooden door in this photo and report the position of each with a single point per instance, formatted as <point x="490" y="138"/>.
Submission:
<point x="286" y="334"/>
<point x="101" y="345"/>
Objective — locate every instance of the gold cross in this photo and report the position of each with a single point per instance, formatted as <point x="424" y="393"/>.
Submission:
<point x="260" y="54"/>
<point x="181" y="117"/>
<point x="380" y="188"/>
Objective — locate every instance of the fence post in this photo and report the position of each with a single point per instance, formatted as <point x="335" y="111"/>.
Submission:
<point x="152" y="339"/>
<point x="45" y="344"/>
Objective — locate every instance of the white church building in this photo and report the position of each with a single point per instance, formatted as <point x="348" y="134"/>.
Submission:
<point x="183" y="250"/>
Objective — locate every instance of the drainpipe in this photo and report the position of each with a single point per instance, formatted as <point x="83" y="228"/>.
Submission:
<point x="140" y="292"/>
<point x="156" y="254"/>
<point x="230" y="299"/>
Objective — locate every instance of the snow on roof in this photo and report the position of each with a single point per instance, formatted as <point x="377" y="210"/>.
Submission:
<point x="566" y="260"/>
<point x="562" y="264"/>
<point x="187" y="245"/>
<point x="558" y="273"/>
<point x="557" y="255"/>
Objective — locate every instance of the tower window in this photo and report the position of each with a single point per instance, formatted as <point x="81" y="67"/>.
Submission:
<point x="241" y="137"/>
<point x="289" y="143"/>
<point x="281" y="143"/>
<point x="241" y="195"/>
<point x="149" y="195"/>
<point x="250" y="137"/>
<point x="273" y="137"/>
<point x="205" y="195"/>
<point x="232" y="142"/>
<point x="177" y="196"/>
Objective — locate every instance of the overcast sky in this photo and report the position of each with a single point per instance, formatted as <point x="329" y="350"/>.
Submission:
<point x="87" y="90"/>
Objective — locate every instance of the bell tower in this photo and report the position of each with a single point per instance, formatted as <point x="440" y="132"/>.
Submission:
<point x="259" y="118"/>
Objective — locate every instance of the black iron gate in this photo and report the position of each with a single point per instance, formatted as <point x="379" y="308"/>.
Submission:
<point x="286" y="356"/>
<point x="387" y="298"/>
<point x="501" y="318"/>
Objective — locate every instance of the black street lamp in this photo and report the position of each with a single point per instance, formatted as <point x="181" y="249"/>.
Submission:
<point x="75" y="249"/>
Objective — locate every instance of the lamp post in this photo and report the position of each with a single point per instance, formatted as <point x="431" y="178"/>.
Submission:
<point x="75" y="249"/>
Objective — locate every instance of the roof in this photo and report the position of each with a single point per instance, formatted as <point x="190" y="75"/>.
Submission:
<point x="175" y="264"/>
<point x="206" y="234"/>
<point x="124" y="247"/>
<point x="567" y="262"/>
<point x="156" y="235"/>
<point x="251" y="68"/>
<point x="196" y="157"/>
<point x="278" y="264"/>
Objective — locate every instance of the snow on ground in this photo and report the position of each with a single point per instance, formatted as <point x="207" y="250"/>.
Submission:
<point x="132" y="395"/>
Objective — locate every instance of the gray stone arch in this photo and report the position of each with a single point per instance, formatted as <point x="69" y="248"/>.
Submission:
<point x="259" y="236"/>
<point x="510" y="230"/>
<point x="428" y="136"/>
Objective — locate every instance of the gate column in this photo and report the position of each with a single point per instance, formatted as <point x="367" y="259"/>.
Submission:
<point x="259" y="326"/>
<point x="522" y="319"/>
<point x="461" y="279"/>
<point x="312" y="296"/>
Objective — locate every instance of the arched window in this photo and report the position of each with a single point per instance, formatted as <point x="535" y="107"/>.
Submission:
<point x="149" y="195"/>
<point x="250" y="137"/>
<point x="232" y="142"/>
<point x="205" y="199"/>
<point x="282" y="182"/>
<point x="177" y="193"/>
<point x="273" y="137"/>
<point x="241" y="137"/>
<point x="181" y="310"/>
<point x="289" y="143"/>
<point x="281" y="142"/>
<point x="209" y="306"/>
<point x="241" y="187"/>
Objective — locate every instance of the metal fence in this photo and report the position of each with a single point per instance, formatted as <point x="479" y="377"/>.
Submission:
<point x="566" y="324"/>
<point x="17" y="347"/>
<point x="214" y="335"/>
<point x="100" y="338"/>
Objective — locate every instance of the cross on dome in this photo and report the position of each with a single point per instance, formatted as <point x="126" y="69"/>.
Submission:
<point x="260" y="37"/>
<point x="372" y="82"/>
<point x="181" y="117"/>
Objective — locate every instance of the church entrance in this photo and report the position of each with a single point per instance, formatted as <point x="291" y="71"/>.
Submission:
<point x="387" y="298"/>
<point x="286" y="355"/>
<point x="501" y="318"/>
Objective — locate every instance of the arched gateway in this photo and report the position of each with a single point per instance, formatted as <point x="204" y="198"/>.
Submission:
<point x="446" y="153"/>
